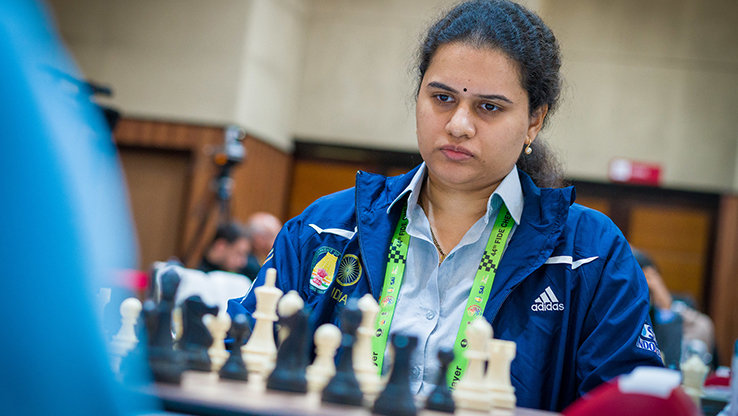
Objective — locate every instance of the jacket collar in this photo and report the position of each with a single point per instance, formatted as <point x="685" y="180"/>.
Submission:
<point x="545" y="213"/>
<point x="374" y="194"/>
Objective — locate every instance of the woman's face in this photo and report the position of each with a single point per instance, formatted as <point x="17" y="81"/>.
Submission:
<point x="472" y="116"/>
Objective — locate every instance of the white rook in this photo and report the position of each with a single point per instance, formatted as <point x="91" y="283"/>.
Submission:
<point x="472" y="392"/>
<point x="500" y="354"/>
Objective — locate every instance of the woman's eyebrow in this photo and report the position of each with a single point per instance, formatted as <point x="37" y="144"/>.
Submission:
<point x="441" y="86"/>
<point x="436" y="84"/>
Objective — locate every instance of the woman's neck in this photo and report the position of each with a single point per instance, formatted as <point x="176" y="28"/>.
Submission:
<point x="451" y="212"/>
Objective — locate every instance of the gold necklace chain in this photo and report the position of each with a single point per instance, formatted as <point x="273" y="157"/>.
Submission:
<point x="441" y="254"/>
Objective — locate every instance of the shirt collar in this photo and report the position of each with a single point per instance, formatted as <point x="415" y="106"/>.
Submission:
<point x="509" y="191"/>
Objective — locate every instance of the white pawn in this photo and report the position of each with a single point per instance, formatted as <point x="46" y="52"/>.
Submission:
<point x="260" y="352"/>
<point x="125" y="340"/>
<point x="694" y="371"/>
<point x="500" y="354"/>
<point x="218" y="327"/>
<point x="327" y="340"/>
<point x="367" y="372"/>
<point x="471" y="392"/>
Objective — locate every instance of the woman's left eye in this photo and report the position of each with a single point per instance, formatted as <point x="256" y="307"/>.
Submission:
<point x="490" y="107"/>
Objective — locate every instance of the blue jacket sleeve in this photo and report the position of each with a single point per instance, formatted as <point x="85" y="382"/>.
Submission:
<point x="617" y="335"/>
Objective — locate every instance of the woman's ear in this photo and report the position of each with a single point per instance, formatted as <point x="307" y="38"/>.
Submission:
<point x="535" y="122"/>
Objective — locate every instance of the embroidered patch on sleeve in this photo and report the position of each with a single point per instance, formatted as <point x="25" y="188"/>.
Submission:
<point x="647" y="340"/>
<point x="349" y="270"/>
<point x="323" y="268"/>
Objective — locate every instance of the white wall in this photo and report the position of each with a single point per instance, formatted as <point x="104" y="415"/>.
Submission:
<point x="172" y="59"/>
<point x="215" y="62"/>
<point x="652" y="80"/>
<point x="270" y="70"/>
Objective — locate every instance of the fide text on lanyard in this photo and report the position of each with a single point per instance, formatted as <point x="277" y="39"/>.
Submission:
<point x="485" y="276"/>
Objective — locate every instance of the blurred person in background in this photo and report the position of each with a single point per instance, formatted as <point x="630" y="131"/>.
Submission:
<point x="696" y="326"/>
<point x="228" y="251"/>
<point x="263" y="228"/>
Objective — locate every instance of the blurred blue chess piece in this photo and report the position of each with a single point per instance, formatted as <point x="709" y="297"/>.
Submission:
<point x="65" y="228"/>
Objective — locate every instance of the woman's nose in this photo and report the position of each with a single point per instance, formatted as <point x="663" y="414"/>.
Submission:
<point x="461" y="123"/>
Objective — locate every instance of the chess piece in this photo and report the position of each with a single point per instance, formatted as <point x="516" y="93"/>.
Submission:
<point x="471" y="392"/>
<point x="396" y="399"/>
<point x="177" y="323"/>
<point x="344" y="387"/>
<point x="440" y="399"/>
<point x="125" y="340"/>
<point x="196" y="339"/>
<point x="235" y="368"/>
<point x="134" y="366"/>
<point x="694" y="371"/>
<point x="218" y="326"/>
<point x="260" y="351"/>
<point x="289" y="372"/>
<point x="500" y="354"/>
<point x="327" y="340"/>
<point x="366" y="371"/>
<point x="163" y="334"/>
<point x="166" y="364"/>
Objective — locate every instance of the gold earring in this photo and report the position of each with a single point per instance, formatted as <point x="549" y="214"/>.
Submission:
<point x="528" y="150"/>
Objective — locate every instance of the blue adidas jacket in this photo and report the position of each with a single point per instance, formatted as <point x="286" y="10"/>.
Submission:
<point x="593" y="328"/>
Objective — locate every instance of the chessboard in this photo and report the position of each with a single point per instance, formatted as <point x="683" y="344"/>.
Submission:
<point x="195" y="374"/>
<point x="204" y="394"/>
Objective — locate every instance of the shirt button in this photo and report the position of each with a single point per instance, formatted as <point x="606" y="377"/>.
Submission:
<point x="430" y="315"/>
<point x="416" y="372"/>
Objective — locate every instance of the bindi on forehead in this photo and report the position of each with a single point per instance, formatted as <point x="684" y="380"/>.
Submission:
<point x="464" y="89"/>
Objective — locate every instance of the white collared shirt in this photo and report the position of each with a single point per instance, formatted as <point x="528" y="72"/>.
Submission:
<point x="432" y="298"/>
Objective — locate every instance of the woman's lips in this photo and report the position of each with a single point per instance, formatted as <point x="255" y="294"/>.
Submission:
<point x="456" y="153"/>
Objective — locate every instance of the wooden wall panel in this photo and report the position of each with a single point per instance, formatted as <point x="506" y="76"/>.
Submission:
<point x="156" y="179"/>
<point x="313" y="179"/>
<point x="261" y="182"/>
<point x="598" y="204"/>
<point x="724" y="307"/>
<point x="678" y="241"/>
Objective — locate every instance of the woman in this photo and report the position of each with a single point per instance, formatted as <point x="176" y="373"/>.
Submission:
<point x="566" y="289"/>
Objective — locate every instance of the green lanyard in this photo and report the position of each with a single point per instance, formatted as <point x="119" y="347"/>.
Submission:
<point x="478" y="296"/>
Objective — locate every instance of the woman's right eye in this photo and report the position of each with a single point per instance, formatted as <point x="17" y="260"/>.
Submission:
<point x="443" y="98"/>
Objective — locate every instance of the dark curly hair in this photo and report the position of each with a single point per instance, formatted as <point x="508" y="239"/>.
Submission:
<point x="519" y="33"/>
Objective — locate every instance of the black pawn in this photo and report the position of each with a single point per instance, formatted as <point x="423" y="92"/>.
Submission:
<point x="234" y="368"/>
<point x="196" y="338"/>
<point x="440" y="399"/>
<point x="396" y="399"/>
<point x="344" y="387"/>
<point x="289" y="372"/>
